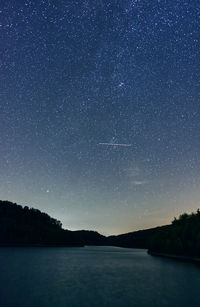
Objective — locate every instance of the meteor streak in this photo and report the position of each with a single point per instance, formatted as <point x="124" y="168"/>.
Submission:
<point x="113" y="144"/>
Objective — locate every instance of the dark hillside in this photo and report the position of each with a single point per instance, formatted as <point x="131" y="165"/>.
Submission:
<point x="136" y="239"/>
<point x="91" y="237"/>
<point x="181" y="238"/>
<point x="29" y="226"/>
<point x="24" y="226"/>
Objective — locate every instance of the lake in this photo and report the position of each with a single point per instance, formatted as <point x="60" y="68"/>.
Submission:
<point x="95" y="276"/>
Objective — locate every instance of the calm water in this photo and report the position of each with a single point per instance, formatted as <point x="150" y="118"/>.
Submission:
<point x="95" y="276"/>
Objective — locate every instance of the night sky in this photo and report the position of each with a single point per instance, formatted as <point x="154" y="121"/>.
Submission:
<point x="79" y="73"/>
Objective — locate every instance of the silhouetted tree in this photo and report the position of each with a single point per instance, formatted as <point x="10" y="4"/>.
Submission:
<point x="29" y="226"/>
<point x="182" y="237"/>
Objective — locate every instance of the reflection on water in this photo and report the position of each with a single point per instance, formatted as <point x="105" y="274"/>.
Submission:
<point x="94" y="276"/>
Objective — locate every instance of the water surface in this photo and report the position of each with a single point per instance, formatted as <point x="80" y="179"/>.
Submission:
<point x="95" y="276"/>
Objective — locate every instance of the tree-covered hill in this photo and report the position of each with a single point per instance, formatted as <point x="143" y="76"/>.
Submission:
<point x="28" y="226"/>
<point x="24" y="226"/>
<point x="182" y="237"/>
<point x="135" y="239"/>
<point x="91" y="237"/>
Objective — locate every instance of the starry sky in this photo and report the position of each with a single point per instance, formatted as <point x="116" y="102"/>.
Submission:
<point x="78" y="77"/>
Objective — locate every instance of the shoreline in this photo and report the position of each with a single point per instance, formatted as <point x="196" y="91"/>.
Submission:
<point x="39" y="245"/>
<point x="175" y="257"/>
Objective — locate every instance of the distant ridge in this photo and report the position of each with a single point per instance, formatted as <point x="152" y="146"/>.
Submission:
<point x="136" y="239"/>
<point x="24" y="226"/>
<point x="29" y="226"/>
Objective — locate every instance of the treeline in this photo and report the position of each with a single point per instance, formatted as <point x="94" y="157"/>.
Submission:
<point x="91" y="237"/>
<point x="24" y="226"/>
<point x="28" y="226"/>
<point x="135" y="239"/>
<point x="182" y="237"/>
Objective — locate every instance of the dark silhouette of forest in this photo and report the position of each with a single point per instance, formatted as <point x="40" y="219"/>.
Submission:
<point x="181" y="238"/>
<point x="91" y="237"/>
<point x="29" y="226"/>
<point x="135" y="239"/>
<point x="24" y="226"/>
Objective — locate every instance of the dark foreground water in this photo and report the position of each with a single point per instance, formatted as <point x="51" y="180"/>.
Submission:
<point x="95" y="276"/>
